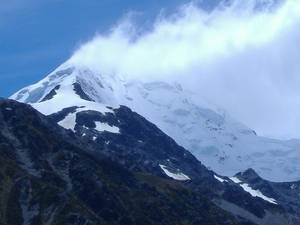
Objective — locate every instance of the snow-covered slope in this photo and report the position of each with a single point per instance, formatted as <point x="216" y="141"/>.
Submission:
<point x="216" y="139"/>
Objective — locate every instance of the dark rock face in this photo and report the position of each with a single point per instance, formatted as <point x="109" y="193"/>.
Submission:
<point x="51" y="94"/>
<point x="140" y="145"/>
<point x="78" y="90"/>
<point x="47" y="180"/>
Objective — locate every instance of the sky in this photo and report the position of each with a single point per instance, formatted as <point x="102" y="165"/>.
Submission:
<point x="241" y="55"/>
<point x="37" y="36"/>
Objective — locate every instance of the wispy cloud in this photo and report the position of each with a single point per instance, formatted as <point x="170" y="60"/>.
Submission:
<point x="243" y="56"/>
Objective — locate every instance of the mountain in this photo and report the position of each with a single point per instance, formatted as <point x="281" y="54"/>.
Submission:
<point x="87" y="105"/>
<point x="220" y="142"/>
<point x="134" y="175"/>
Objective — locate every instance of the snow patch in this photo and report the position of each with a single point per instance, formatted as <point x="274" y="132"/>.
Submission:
<point x="66" y="97"/>
<point x="106" y="127"/>
<point x="175" y="176"/>
<point x="8" y="109"/>
<point x="220" y="179"/>
<point x="68" y="122"/>
<point x="235" y="180"/>
<point x="257" y="193"/>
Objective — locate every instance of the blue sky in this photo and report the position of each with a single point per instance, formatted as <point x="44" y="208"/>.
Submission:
<point x="37" y="36"/>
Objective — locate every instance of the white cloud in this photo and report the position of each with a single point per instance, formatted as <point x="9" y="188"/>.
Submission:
<point x="243" y="58"/>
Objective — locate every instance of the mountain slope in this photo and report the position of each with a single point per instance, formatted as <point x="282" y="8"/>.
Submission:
<point x="286" y="193"/>
<point x="209" y="133"/>
<point x="47" y="180"/>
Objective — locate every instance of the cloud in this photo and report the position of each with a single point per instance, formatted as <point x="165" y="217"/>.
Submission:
<point x="243" y="55"/>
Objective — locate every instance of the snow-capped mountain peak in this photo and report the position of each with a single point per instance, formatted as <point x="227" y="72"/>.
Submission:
<point x="216" y="139"/>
